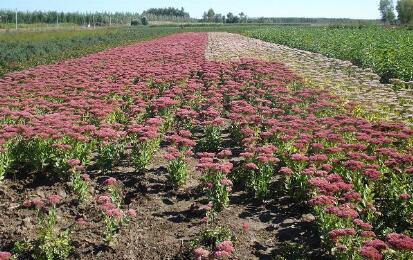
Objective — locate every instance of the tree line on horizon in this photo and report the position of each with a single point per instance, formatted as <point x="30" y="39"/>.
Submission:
<point x="387" y="8"/>
<point x="99" y="18"/>
<point x="50" y="17"/>
<point x="404" y="10"/>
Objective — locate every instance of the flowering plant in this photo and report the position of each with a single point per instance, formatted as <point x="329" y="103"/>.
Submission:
<point x="215" y="180"/>
<point x="178" y="153"/>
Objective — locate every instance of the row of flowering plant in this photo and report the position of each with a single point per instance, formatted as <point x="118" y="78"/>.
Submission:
<point x="216" y="182"/>
<point x="177" y="155"/>
<point x="112" y="208"/>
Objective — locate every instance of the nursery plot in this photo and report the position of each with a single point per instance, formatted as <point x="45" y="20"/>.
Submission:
<point x="362" y="86"/>
<point x="157" y="151"/>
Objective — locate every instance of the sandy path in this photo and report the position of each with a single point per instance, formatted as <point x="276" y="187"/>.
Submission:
<point x="346" y="80"/>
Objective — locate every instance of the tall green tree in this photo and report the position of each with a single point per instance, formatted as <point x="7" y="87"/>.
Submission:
<point x="210" y="15"/>
<point x="231" y="18"/>
<point x="405" y="11"/>
<point x="242" y="17"/>
<point x="386" y="8"/>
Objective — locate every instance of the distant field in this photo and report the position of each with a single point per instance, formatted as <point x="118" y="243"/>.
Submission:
<point x="21" y="50"/>
<point x="36" y="25"/>
<point x="387" y="51"/>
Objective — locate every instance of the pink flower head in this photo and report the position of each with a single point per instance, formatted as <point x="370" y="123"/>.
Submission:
<point x="221" y="254"/>
<point x="376" y="243"/>
<point x="189" y="153"/>
<point x="368" y="233"/>
<point x="404" y="196"/>
<point x="370" y="252"/>
<point x="245" y="227"/>
<point x="131" y="213"/>
<point x="102" y="199"/>
<point x="343" y="211"/>
<point x="73" y="162"/>
<point x="54" y="199"/>
<point x="81" y="221"/>
<point x="86" y="177"/>
<point x="323" y="200"/>
<point x="115" y="213"/>
<point x="108" y="206"/>
<point x="226" y="246"/>
<point x="363" y="225"/>
<point x="226" y="182"/>
<point x="27" y="204"/>
<point x="400" y="241"/>
<point x="286" y="171"/>
<point x="169" y="157"/>
<point x="226" y="167"/>
<point x="200" y="253"/>
<point x="225" y="153"/>
<point x="341" y="248"/>
<point x="299" y="157"/>
<point x="37" y="203"/>
<point x="185" y="133"/>
<point x="337" y="233"/>
<point x="251" y="166"/>
<point x="111" y="181"/>
<point x="5" y="255"/>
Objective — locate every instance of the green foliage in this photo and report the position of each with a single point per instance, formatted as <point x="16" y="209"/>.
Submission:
<point x="218" y="189"/>
<point x="386" y="51"/>
<point x="53" y="246"/>
<point x="135" y="22"/>
<point x="170" y="11"/>
<point x="51" y="243"/>
<point x="211" y="141"/>
<point x="386" y="8"/>
<point x="80" y="186"/>
<point x="21" y="248"/>
<point x="261" y="180"/>
<point x="405" y="11"/>
<point x="231" y="18"/>
<point x="108" y="155"/>
<point x="144" y="20"/>
<point x="143" y="152"/>
<point x="5" y="162"/>
<point x="210" y="238"/>
<point x="178" y="171"/>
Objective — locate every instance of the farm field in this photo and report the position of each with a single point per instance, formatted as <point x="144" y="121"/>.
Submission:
<point x="22" y="50"/>
<point x="206" y="146"/>
<point x="386" y="50"/>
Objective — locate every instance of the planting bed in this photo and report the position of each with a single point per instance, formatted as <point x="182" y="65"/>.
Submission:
<point x="198" y="146"/>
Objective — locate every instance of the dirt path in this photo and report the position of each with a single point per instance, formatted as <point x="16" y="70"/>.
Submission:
<point x="355" y="84"/>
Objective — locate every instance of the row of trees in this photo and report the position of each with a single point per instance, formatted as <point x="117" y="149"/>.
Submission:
<point x="212" y="17"/>
<point x="404" y="10"/>
<point x="170" y="11"/>
<point x="9" y="16"/>
<point x="99" y="18"/>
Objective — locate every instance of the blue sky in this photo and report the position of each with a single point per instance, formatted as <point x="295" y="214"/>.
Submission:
<point x="364" y="9"/>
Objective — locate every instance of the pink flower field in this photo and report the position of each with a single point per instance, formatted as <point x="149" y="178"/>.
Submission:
<point x="153" y="151"/>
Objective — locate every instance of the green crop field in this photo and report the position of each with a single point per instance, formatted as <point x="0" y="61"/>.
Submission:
<point x="389" y="52"/>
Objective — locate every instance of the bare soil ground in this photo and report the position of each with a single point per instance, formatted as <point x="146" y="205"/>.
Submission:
<point x="167" y="219"/>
